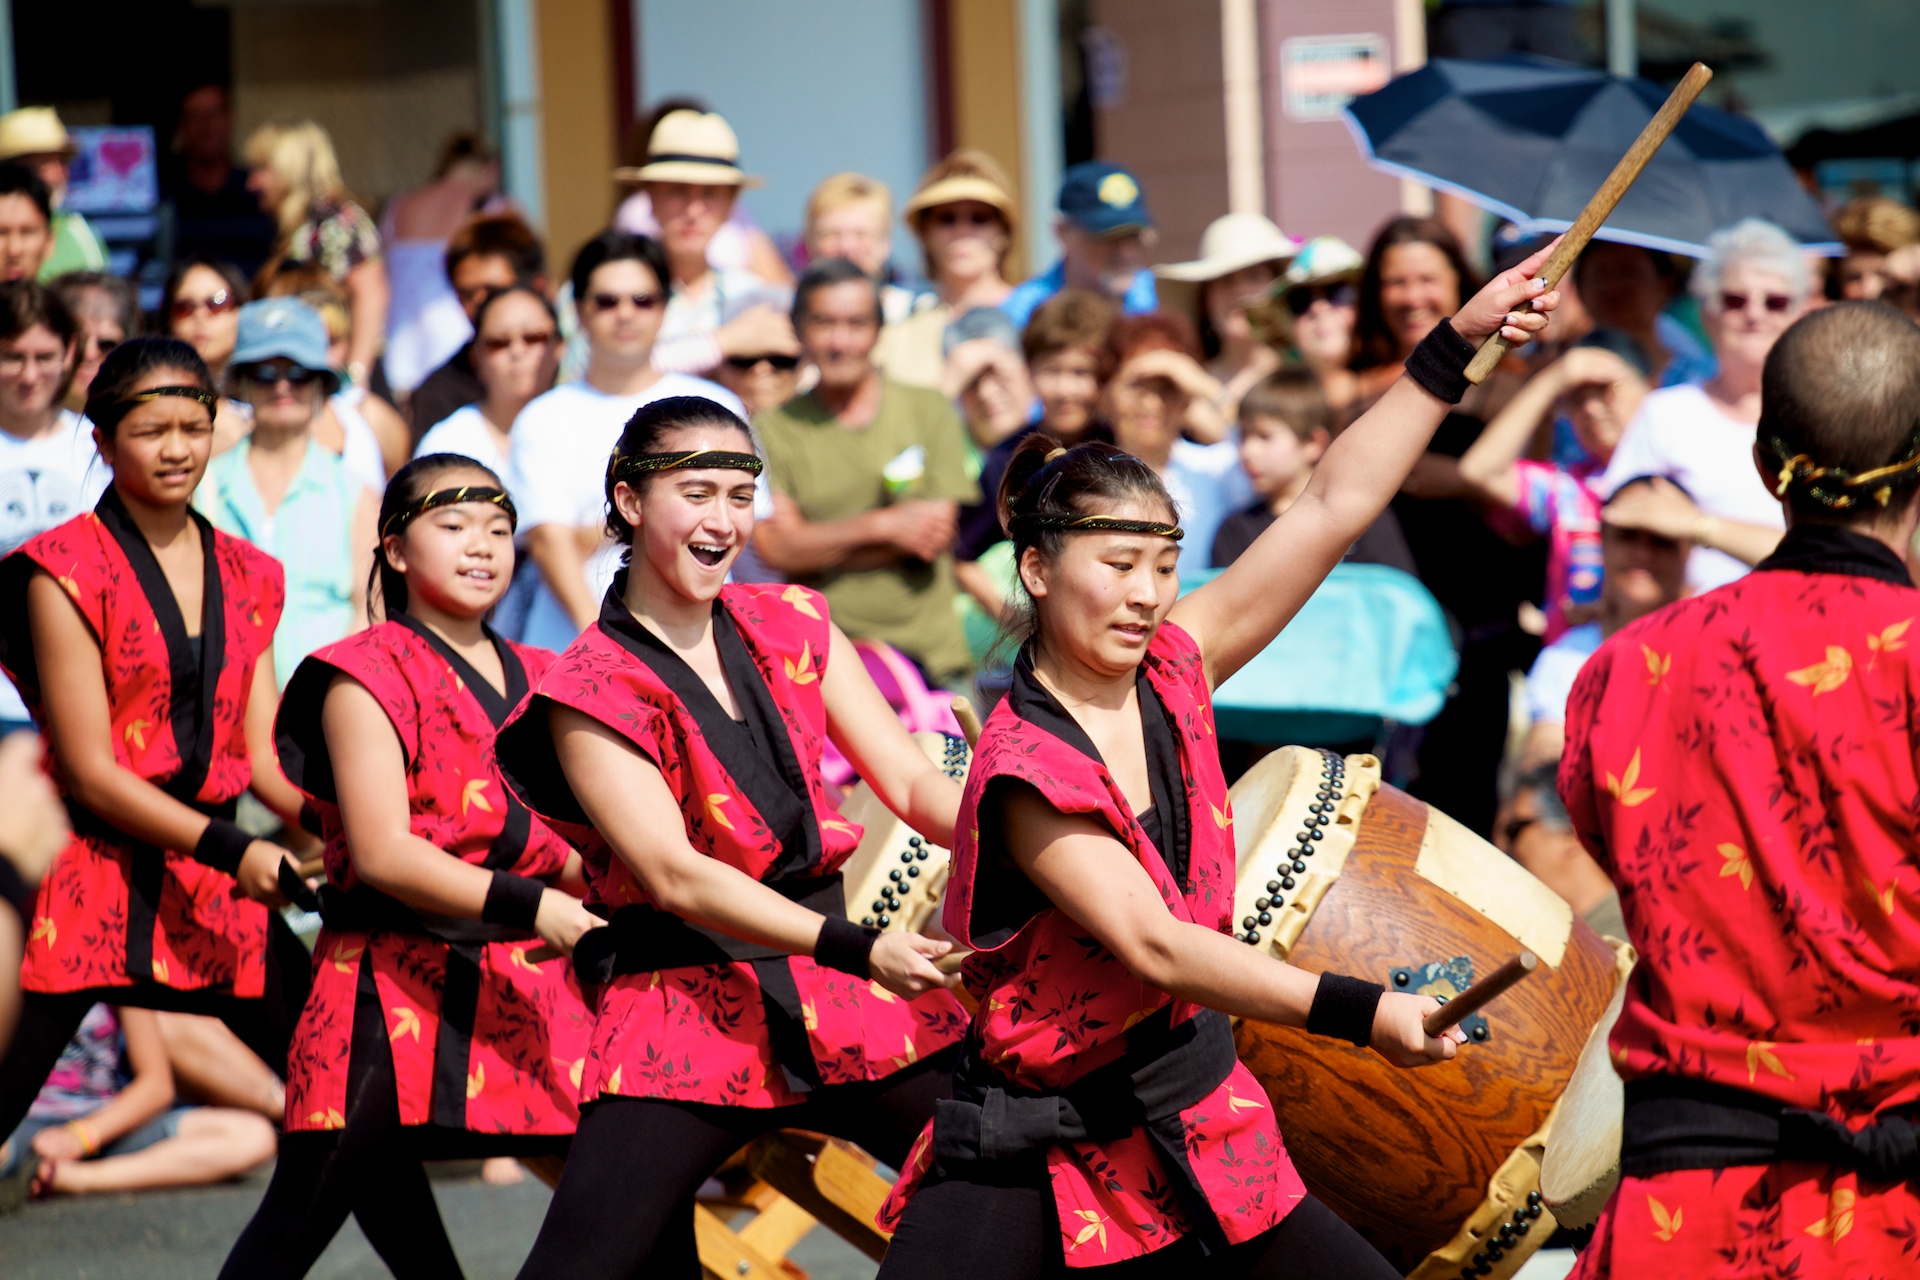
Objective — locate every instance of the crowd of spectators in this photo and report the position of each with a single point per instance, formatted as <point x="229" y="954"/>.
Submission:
<point x="1603" y="475"/>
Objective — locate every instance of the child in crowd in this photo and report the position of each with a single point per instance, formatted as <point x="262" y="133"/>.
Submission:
<point x="1286" y="424"/>
<point x="106" y="1121"/>
<point x="1599" y="385"/>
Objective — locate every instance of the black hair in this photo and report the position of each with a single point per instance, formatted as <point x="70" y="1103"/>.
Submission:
<point x="616" y="246"/>
<point x="236" y="283"/>
<point x="649" y="425"/>
<point x="1043" y="480"/>
<point x="1374" y="342"/>
<point x="17" y="179"/>
<point x="386" y="585"/>
<point x="26" y="303"/>
<point x="130" y="362"/>
<point x="498" y="235"/>
<point x="827" y="272"/>
<point x="494" y="295"/>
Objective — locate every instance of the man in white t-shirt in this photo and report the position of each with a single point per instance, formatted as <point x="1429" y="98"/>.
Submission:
<point x="557" y="462"/>
<point x="49" y="469"/>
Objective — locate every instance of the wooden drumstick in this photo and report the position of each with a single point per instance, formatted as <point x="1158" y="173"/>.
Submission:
<point x="1480" y="994"/>
<point x="969" y="721"/>
<point x="1601" y="206"/>
<point x="314" y="866"/>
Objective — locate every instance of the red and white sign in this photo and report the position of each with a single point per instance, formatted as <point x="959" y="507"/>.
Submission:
<point x="1321" y="74"/>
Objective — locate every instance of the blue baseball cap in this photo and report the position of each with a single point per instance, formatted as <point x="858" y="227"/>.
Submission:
<point x="283" y="329"/>
<point x="1103" y="199"/>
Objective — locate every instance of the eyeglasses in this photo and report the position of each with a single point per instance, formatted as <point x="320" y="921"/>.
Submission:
<point x="267" y="373"/>
<point x="539" y="341"/>
<point x="1301" y="300"/>
<point x="1775" y="303"/>
<point x="745" y="364"/>
<point x="14" y="363"/>
<point x="214" y="304"/>
<point x="962" y="218"/>
<point x="612" y="301"/>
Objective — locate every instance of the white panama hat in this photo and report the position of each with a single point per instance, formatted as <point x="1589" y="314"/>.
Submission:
<point x="1231" y="242"/>
<point x="697" y="147"/>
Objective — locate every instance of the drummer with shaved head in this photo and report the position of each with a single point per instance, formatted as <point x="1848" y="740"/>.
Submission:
<point x="1745" y="765"/>
<point x="1100" y="1120"/>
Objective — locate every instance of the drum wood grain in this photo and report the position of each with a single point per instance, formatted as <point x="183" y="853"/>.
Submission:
<point x="1404" y="1156"/>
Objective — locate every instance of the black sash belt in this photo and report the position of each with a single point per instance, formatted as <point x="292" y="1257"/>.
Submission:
<point x="146" y="876"/>
<point x="646" y="939"/>
<point x="1695" y="1124"/>
<point x="1165" y="1070"/>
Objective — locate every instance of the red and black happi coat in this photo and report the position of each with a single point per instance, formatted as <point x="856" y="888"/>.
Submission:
<point x="687" y="1013"/>
<point x="1746" y="767"/>
<point x="483" y="1039"/>
<point x="1057" y="1009"/>
<point x="114" y="911"/>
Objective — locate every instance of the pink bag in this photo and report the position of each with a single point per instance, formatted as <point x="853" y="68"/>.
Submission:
<point x="918" y="707"/>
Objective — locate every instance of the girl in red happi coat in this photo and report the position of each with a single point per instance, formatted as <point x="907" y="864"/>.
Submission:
<point x="141" y="639"/>
<point x="1100" y="1119"/>
<point x="429" y="1031"/>
<point x="677" y="742"/>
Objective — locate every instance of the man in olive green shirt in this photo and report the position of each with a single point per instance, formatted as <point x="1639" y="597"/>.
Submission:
<point x="868" y="478"/>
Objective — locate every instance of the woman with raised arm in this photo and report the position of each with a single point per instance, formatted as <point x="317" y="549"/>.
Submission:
<point x="677" y="744"/>
<point x="1099" y="1114"/>
<point x="141" y="639"/>
<point x="430" y="1033"/>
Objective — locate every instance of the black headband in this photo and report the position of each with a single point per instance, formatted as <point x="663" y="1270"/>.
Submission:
<point x="126" y="404"/>
<point x="626" y="466"/>
<point x="447" y="498"/>
<point x="1097" y="524"/>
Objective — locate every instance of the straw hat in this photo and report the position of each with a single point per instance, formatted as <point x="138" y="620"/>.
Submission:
<point x="33" y="131"/>
<point x="954" y="189"/>
<point x="691" y="146"/>
<point x="1231" y="242"/>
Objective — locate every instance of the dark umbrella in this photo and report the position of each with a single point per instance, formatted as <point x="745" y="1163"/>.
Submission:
<point x="1532" y="139"/>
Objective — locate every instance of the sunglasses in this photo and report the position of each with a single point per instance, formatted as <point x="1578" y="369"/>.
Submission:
<point x="961" y="218"/>
<point x="507" y="341"/>
<point x="267" y="373"/>
<point x="1775" y="303"/>
<point x="612" y="301"/>
<point x="1301" y="300"/>
<point x="785" y="364"/>
<point x="213" y="304"/>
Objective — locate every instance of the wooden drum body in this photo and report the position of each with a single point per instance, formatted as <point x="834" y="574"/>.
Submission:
<point x="895" y="877"/>
<point x="1438" y="1167"/>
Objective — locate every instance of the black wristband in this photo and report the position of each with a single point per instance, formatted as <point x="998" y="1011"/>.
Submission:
<point x="221" y="846"/>
<point x="1439" y="363"/>
<point x="1343" y="1008"/>
<point x="513" y="901"/>
<point x="845" y="946"/>
<point x="16" y="891"/>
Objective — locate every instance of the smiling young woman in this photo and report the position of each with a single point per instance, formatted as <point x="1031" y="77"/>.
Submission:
<point x="677" y="744"/>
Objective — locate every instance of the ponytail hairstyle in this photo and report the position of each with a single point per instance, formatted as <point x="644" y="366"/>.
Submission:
<point x="1045" y="488"/>
<point x="386" y="585"/>
<point x="127" y="364"/>
<point x="644" y="433"/>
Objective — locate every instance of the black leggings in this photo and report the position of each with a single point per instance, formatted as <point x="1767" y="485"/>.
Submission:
<point x="370" y="1168"/>
<point x="969" y="1230"/>
<point x="47" y="1022"/>
<point x="624" y="1206"/>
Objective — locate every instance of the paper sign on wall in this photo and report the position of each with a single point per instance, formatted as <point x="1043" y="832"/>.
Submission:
<point x="1321" y="74"/>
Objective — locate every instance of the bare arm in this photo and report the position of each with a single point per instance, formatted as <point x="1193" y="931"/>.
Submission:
<point x="80" y="725"/>
<point x="370" y="772"/>
<point x="268" y="784"/>
<point x="367" y="297"/>
<point x="555" y="551"/>
<point x="1662" y="507"/>
<point x="390" y="429"/>
<point x="1089" y="875"/>
<point x="1237" y="614"/>
<point x="866" y="729"/>
<point x="149" y="1093"/>
<point x="630" y="805"/>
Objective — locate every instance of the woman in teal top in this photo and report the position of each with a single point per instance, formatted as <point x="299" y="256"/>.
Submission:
<point x="284" y="492"/>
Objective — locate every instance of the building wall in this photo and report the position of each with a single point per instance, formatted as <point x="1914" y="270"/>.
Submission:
<point x="983" y="39"/>
<point x="811" y="89"/>
<point x="577" y="134"/>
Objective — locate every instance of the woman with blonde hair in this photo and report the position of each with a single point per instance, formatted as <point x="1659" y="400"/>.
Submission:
<point x="965" y="219"/>
<point x="296" y="177"/>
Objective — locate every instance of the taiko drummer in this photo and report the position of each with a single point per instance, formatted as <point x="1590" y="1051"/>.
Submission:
<point x="677" y="742"/>
<point x="1100" y="1118"/>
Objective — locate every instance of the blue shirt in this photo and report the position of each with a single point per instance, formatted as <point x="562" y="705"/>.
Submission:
<point x="1019" y="305"/>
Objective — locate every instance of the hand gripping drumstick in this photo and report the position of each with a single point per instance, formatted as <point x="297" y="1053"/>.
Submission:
<point x="1480" y="994"/>
<point x="1623" y="176"/>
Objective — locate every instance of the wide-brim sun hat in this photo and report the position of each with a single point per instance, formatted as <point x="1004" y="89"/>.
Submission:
<point x="1230" y="243"/>
<point x="283" y="329"/>
<point x="956" y="189"/>
<point x="697" y="147"/>
<point x="34" y="131"/>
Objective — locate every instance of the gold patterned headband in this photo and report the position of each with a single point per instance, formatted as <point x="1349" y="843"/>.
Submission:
<point x="447" y="498"/>
<point x="627" y="466"/>
<point x="1099" y="524"/>
<point x="1837" y="487"/>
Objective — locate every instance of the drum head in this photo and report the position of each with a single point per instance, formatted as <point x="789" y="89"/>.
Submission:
<point x="1582" y="1162"/>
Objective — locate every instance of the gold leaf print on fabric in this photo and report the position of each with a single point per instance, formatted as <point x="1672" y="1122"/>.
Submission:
<point x="613" y="1082"/>
<point x="1825" y="677"/>
<point x="1761" y="1054"/>
<point x="1658" y="664"/>
<point x="476" y="1081"/>
<point x="407" y="1023"/>
<point x="343" y="956"/>
<point x="881" y="994"/>
<point x="160" y="971"/>
<point x="1839" y="1219"/>
<point x="44" y="931"/>
<point x="1222" y="818"/>
<point x="1883" y="897"/>
<point x="1092" y="1225"/>
<point x="1625" y="788"/>
<point x="913" y="1055"/>
<point x="1887" y="641"/>
<point x="808" y="1016"/>
<point x="328" y="1119"/>
<point x="1737" y="864"/>
<point x="797" y="596"/>
<point x="802" y="672"/>
<point x="714" y="802"/>
<point x="136" y="733"/>
<point x="1665" y="1225"/>
<point x="474" y="793"/>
